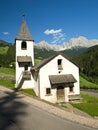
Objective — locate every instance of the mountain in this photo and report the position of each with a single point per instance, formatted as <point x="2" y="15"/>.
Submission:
<point x="42" y="50"/>
<point x="47" y="46"/>
<point x="80" y="42"/>
<point x="7" y="53"/>
<point x="88" y="62"/>
<point x="4" y="43"/>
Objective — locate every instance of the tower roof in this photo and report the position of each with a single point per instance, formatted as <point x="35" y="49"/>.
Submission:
<point x="24" y="33"/>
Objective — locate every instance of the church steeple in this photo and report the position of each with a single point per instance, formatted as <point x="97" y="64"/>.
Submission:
<point x="24" y="57"/>
<point x="24" y="33"/>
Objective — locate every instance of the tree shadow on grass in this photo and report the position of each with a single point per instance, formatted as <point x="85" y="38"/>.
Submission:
<point x="11" y="108"/>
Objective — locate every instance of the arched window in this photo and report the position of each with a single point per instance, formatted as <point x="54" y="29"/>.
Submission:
<point x="24" y="45"/>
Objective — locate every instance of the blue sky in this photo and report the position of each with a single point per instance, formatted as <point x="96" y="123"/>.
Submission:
<point x="54" y="21"/>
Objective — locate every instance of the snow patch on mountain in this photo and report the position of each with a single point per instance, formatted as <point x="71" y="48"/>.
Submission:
<point x="73" y="42"/>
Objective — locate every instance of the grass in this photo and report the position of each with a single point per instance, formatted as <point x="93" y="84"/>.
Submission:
<point x="11" y="84"/>
<point x="86" y="84"/>
<point x="7" y="71"/>
<point x="3" y="50"/>
<point x="28" y="91"/>
<point x="36" y="61"/>
<point x="89" y="105"/>
<point x="7" y="83"/>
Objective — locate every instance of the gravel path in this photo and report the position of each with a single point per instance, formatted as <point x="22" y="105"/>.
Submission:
<point x="90" y="122"/>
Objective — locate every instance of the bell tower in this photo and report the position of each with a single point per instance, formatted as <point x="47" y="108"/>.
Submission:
<point x="24" y="56"/>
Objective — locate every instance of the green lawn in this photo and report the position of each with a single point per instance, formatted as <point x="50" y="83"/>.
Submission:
<point x="36" y="61"/>
<point x="28" y="91"/>
<point x="11" y="84"/>
<point x="7" y="71"/>
<point x="88" y="105"/>
<point x="86" y="84"/>
<point x="7" y="83"/>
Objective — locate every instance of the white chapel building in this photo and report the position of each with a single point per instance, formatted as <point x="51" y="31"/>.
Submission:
<point x="55" y="79"/>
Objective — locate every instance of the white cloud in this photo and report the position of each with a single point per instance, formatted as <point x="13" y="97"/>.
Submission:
<point x="58" y="35"/>
<point x="6" y="33"/>
<point x="52" y="31"/>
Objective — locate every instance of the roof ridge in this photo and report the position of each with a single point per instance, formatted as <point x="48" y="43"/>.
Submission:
<point x="45" y="61"/>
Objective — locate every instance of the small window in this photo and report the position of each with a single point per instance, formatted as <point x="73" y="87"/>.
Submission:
<point x="71" y="87"/>
<point x="59" y="62"/>
<point x="48" y="91"/>
<point x="24" y="45"/>
<point x="26" y="67"/>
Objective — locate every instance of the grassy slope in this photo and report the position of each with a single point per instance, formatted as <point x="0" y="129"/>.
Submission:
<point x="86" y="84"/>
<point x="88" y="105"/>
<point x="7" y="83"/>
<point x="7" y="71"/>
<point x="3" y="50"/>
<point x="10" y="72"/>
<point x="11" y="84"/>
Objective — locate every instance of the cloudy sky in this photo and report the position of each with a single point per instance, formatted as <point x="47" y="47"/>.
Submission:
<point x="54" y="21"/>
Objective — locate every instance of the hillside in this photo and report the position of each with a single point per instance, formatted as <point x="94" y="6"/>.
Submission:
<point x="3" y="43"/>
<point x="44" y="53"/>
<point x="4" y="46"/>
<point x="7" y="53"/>
<point x="88" y="62"/>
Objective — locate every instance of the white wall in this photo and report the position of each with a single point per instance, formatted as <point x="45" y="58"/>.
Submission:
<point x="19" y="69"/>
<point x="29" y="51"/>
<point x="51" y="68"/>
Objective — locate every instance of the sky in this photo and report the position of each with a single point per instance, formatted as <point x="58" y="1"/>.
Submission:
<point x="53" y="21"/>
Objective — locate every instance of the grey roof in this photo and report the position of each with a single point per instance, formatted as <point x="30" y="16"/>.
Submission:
<point x="24" y="33"/>
<point x="57" y="79"/>
<point x="45" y="61"/>
<point x="24" y="59"/>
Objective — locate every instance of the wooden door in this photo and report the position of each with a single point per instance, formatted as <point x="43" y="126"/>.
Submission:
<point x="60" y="94"/>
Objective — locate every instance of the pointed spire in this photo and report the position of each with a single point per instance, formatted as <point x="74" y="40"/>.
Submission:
<point x="24" y="33"/>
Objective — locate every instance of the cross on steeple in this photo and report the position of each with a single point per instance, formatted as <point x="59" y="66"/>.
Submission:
<point x="23" y="16"/>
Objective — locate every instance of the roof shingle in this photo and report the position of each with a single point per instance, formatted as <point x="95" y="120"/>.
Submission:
<point x="24" y="33"/>
<point x="24" y="59"/>
<point x="57" y="79"/>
